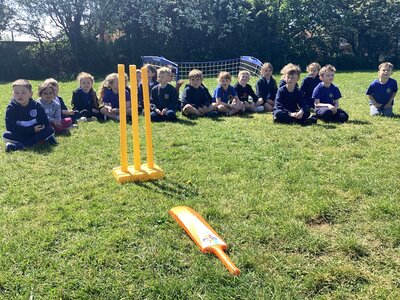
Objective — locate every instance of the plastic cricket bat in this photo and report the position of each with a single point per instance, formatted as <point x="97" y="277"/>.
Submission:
<point x="203" y="235"/>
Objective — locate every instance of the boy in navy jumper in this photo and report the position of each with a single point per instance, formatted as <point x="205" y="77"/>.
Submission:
<point x="289" y="105"/>
<point x="382" y="91"/>
<point x="164" y="97"/>
<point x="26" y="120"/>
<point x="196" y="98"/>
<point x="244" y="91"/>
<point x="266" y="88"/>
<point x="310" y="82"/>
<point x="326" y="98"/>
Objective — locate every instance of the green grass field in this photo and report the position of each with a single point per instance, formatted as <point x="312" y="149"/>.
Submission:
<point x="307" y="212"/>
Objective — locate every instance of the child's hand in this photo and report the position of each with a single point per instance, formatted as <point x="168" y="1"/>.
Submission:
<point x="70" y="112"/>
<point x="39" y="128"/>
<point x="115" y="110"/>
<point x="158" y="111"/>
<point x="388" y="105"/>
<point x="164" y="111"/>
<point x="299" y="115"/>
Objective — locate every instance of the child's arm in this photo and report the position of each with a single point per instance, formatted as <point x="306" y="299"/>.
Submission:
<point x="390" y="102"/>
<point x="374" y="102"/>
<point x="318" y="104"/>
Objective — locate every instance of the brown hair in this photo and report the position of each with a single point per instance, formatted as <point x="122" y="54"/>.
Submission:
<point x="195" y="73"/>
<point x="327" y="68"/>
<point x="313" y="64"/>
<point x="266" y="65"/>
<point x="45" y="85"/>
<point x="386" y="64"/>
<point x="84" y="75"/>
<point x="224" y="75"/>
<point x="291" y="69"/>
<point x="22" y="82"/>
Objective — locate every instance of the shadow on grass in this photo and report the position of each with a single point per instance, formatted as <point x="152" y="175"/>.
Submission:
<point x="43" y="149"/>
<point x="170" y="188"/>
<point x="359" y="122"/>
<point x="326" y="125"/>
<point x="185" y="122"/>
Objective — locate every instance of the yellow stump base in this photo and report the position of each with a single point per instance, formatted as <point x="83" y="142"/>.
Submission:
<point x="144" y="174"/>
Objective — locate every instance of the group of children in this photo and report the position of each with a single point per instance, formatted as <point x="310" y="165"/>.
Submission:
<point x="29" y="122"/>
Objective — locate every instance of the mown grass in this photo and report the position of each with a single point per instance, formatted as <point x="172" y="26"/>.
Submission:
<point x="307" y="212"/>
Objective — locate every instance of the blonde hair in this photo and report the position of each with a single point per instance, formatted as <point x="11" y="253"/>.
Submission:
<point x="265" y="66"/>
<point x="224" y="75"/>
<point x="241" y="72"/>
<point x="165" y="70"/>
<point x="386" y="64"/>
<point x="290" y="69"/>
<point x="84" y="75"/>
<point x="327" y="68"/>
<point x="312" y="65"/>
<point x="108" y="81"/>
<point x="22" y="82"/>
<point x="195" y="73"/>
<point x="43" y="86"/>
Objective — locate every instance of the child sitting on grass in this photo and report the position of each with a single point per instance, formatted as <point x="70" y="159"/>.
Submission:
<point x="196" y="98"/>
<point x="289" y="104"/>
<point x="326" y="98"/>
<point x="65" y="112"/>
<point x="266" y="88"/>
<point x="382" y="91"/>
<point x="152" y="77"/>
<point x="26" y="120"/>
<point x="225" y="99"/>
<point x="244" y="91"/>
<point x="164" y="97"/>
<point x="53" y="108"/>
<point x="85" y="101"/>
<point x="109" y="95"/>
<point x="310" y="82"/>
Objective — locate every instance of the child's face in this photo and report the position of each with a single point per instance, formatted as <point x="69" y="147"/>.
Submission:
<point x="291" y="79"/>
<point x="313" y="72"/>
<point x="327" y="77"/>
<point x="86" y="84"/>
<point x="385" y="72"/>
<point x="195" y="82"/>
<point x="224" y="82"/>
<point x="114" y="85"/>
<point x="139" y="76"/>
<point x="244" y="79"/>
<point x="267" y="72"/>
<point x="21" y="95"/>
<point x="47" y="95"/>
<point x="150" y="75"/>
<point x="164" y="78"/>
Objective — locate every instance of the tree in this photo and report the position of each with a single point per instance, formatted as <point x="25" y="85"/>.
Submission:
<point x="6" y="15"/>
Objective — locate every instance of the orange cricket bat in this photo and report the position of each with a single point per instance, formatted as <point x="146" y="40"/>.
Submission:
<point x="203" y="235"/>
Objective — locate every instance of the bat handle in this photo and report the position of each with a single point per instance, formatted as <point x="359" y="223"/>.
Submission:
<point x="225" y="260"/>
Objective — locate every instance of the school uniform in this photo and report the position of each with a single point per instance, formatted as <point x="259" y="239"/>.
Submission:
<point x="226" y="96"/>
<point x="266" y="89"/>
<point x="195" y="97"/>
<point x="243" y="93"/>
<point x="289" y="102"/>
<point x="162" y="98"/>
<point x="307" y="87"/>
<point x="140" y="94"/>
<point x="73" y="117"/>
<point x="329" y="95"/>
<point x="85" y="102"/>
<point x="382" y="94"/>
<point x="113" y="99"/>
<point x="21" y="122"/>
